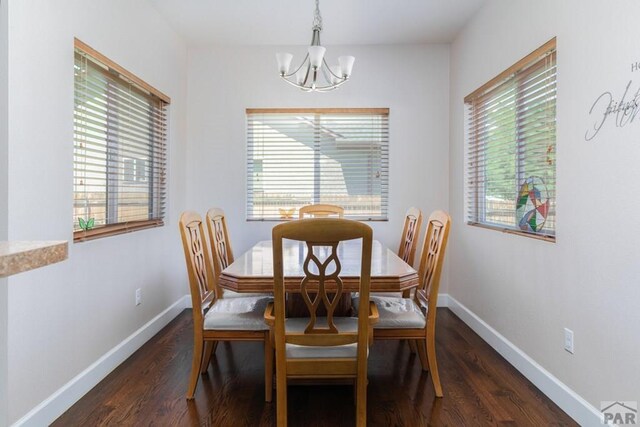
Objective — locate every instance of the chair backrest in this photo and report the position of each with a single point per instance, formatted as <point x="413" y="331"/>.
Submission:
<point x="321" y="211"/>
<point x="321" y="283"/>
<point x="410" y="233"/>
<point x="221" y="252"/>
<point x="196" y="254"/>
<point x="432" y="258"/>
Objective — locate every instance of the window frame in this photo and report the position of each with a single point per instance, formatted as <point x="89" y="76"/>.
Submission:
<point x="478" y="191"/>
<point x="148" y="91"/>
<point x="384" y="216"/>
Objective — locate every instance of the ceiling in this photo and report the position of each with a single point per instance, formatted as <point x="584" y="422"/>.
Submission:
<point x="288" y="22"/>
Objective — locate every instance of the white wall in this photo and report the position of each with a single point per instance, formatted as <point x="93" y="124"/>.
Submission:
<point x="529" y="290"/>
<point x="64" y="317"/>
<point x="4" y="54"/>
<point x="412" y="81"/>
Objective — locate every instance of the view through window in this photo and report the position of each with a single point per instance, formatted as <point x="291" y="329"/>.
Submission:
<point x="297" y="157"/>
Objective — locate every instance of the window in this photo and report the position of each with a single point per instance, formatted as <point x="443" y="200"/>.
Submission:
<point x="135" y="170"/>
<point x="297" y="157"/>
<point x="511" y="155"/>
<point x="119" y="162"/>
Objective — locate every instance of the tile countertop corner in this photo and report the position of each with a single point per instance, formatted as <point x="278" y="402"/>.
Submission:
<point x="19" y="256"/>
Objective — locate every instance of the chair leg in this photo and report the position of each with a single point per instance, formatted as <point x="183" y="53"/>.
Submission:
<point x="213" y="351"/>
<point x="281" y="402"/>
<point x="268" y="369"/>
<point x="420" y="344"/>
<point x="198" y="348"/>
<point x="412" y="346"/>
<point x="361" y="401"/>
<point x="208" y="349"/>
<point x="433" y="364"/>
<point x="281" y="396"/>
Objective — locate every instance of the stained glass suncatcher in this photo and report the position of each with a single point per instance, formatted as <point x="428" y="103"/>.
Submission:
<point x="533" y="204"/>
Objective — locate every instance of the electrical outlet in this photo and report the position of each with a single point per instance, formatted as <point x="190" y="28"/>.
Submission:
<point x="138" y="296"/>
<point x="568" y="340"/>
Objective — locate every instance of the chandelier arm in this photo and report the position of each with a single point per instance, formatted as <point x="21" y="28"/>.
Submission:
<point x="317" y="89"/>
<point x="329" y="87"/>
<point x="304" y="88"/>
<point x="326" y="89"/>
<point x="306" y="76"/>
<point x="298" y="69"/>
<point x="329" y="68"/>
<point x="315" y="38"/>
<point x="325" y="75"/>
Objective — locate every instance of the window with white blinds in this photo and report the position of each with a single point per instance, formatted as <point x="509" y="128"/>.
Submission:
<point x="120" y="149"/>
<point x="297" y="157"/>
<point x="511" y="155"/>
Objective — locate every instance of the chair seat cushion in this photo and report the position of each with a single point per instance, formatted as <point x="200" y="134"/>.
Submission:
<point x="227" y="293"/>
<point x="237" y="314"/>
<point x="344" y="324"/>
<point x="395" y="313"/>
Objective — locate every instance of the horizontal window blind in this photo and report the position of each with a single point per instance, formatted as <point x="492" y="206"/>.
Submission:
<point x="120" y="151"/>
<point x="511" y="151"/>
<point x="301" y="157"/>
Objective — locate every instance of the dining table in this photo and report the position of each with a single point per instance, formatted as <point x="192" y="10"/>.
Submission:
<point x="253" y="271"/>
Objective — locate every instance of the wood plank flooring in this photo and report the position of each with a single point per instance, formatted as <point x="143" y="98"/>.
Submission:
<point x="480" y="388"/>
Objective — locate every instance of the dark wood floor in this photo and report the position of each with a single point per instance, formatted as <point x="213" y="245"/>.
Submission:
<point x="480" y="388"/>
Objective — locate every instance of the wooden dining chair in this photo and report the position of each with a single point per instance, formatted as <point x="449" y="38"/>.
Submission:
<point x="216" y="319"/>
<point x="408" y="245"/>
<point x="410" y="234"/>
<point x="321" y="211"/>
<point x="324" y="347"/>
<point x="221" y="252"/>
<point x="415" y="318"/>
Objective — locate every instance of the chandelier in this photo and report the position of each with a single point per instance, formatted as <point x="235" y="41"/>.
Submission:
<point x="314" y="74"/>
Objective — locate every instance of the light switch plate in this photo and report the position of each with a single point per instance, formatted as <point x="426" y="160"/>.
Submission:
<point x="568" y="340"/>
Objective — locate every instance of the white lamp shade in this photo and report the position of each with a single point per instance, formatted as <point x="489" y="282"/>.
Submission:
<point x="346" y="64"/>
<point x="316" y="53"/>
<point x="300" y="75"/>
<point x="284" y="62"/>
<point x="336" y="71"/>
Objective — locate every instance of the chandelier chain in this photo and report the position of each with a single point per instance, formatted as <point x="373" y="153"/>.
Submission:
<point x="317" y="19"/>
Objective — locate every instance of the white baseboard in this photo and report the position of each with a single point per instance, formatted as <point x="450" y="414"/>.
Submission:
<point x="568" y="400"/>
<point x="56" y="404"/>
<point x="443" y="300"/>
